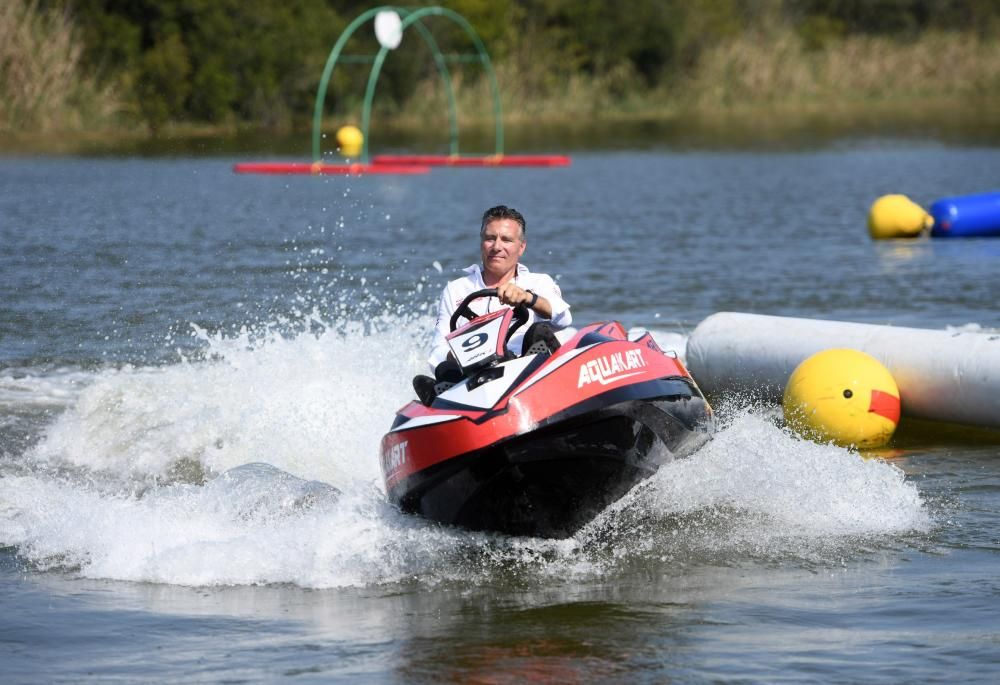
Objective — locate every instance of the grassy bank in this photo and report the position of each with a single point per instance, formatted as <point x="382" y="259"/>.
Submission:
<point x="766" y="82"/>
<point x="770" y="127"/>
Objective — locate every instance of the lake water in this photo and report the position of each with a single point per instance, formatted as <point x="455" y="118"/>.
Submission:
<point x="196" y="369"/>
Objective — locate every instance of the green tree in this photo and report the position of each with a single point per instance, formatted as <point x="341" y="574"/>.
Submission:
<point x="211" y="60"/>
<point x="162" y="85"/>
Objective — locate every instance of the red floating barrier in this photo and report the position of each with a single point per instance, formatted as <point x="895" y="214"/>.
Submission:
<point x="469" y="161"/>
<point x="318" y="168"/>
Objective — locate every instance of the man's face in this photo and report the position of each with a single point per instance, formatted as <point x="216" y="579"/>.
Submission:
<point x="502" y="246"/>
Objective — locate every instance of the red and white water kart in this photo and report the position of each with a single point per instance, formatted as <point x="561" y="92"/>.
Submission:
<point x="539" y="444"/>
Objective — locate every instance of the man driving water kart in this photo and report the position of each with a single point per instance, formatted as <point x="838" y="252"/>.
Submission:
<point x="502" y="243"/>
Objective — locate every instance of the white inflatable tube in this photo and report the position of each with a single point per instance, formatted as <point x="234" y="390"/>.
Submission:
<point x="942" y="375"/>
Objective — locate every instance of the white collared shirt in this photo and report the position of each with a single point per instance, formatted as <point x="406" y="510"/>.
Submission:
<point x="460" y="288"/>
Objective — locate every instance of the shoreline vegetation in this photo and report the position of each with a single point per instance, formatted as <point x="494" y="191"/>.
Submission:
<point x="189" y="75"/>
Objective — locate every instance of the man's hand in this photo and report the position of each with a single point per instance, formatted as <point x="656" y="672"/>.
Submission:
<point x="512" y="294"/>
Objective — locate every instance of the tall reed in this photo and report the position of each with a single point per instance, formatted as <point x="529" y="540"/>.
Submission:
<point x="43" y="86"/>
<point x="776" y="68"/>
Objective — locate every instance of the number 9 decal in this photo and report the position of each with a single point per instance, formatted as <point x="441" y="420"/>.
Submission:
<point x="474" y="341"/>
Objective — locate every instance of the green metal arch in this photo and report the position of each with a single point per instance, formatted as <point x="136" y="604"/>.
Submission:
<point x="409" y="17"/>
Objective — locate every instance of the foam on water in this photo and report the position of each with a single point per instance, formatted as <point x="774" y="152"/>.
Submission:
<point x="258" y="464"/>
<point x="26" y="388"/>
<point x="253" y="524"/>
<point x="756" y="489"/>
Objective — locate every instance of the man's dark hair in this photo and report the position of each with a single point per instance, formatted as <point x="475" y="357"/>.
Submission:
<point x="503" y="212"/>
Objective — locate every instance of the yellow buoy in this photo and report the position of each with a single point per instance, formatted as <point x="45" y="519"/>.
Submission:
<point x="897" y="216"/>
<point x="844" y="396"/>
<point x="349" y="141"/>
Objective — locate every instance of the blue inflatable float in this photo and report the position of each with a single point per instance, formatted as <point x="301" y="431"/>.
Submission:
<point x="967" y="216"/>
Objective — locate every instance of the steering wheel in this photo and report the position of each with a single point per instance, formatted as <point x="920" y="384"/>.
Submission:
<point x="463" y="311"/>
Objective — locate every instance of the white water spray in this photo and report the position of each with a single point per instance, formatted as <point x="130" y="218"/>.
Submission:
<point x="259" y="465"/>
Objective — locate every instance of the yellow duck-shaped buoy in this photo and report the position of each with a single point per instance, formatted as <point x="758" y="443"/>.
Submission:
<point x="844" y="396"/>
